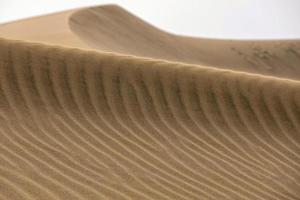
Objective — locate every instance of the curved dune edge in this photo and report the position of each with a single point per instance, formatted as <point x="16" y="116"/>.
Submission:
<point x="85" y="125"/>
<point x="110" y="28"/>
<point x="47" y="29"/>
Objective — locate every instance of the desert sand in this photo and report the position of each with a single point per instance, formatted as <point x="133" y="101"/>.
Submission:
<point x="106" y="106"/>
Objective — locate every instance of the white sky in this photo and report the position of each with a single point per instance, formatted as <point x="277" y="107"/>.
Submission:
<point x="205" y="18"/>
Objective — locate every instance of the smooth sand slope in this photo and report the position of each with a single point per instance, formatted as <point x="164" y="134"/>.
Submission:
<point x="81" y="124"/>
<point x="48" y="29"/>
<point x="113" y="29"/>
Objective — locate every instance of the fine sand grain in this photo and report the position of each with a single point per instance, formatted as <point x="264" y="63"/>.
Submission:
<point x="90" y="125"/>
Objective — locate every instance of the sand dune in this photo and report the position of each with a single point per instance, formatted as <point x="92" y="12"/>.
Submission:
<point x="114" y="29"/>
<point x="84" y="124"/>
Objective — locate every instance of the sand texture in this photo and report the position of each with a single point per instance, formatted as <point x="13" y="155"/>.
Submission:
<point x="160" y="117"/>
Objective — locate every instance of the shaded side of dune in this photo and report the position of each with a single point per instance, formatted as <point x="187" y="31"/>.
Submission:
<point x="111" y="28"/>
<point x="84" y="125"/>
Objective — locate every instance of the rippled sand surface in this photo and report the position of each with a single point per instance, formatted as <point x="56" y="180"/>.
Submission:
<point x="97" y="104"/>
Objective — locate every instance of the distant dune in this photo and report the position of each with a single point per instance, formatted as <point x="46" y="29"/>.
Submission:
<point x="97" y="104"/>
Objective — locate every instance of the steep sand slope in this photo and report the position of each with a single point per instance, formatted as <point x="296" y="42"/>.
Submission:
<point x="85" y="125"/>
<point x="78" y="124"/>
<point x="114" y="29"/>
